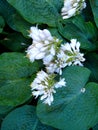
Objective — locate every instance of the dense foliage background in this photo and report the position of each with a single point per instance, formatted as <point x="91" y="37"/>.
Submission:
<point x="71" y="110"/>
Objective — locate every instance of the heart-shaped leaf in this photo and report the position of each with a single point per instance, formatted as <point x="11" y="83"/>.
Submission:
<point x="23" y="118"/>
<point x="15" y="78"/>
<point x="30" y="10"/>
<point x="75" y="106"/>
<point x="13" y="18"/>
<point x="71" y="31"/>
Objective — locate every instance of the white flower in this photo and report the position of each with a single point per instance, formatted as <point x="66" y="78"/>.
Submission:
<point x="40" y="35"/>
<point x="44" y="85"/>
<point x="47" y="59"/>
<point x="60" y="83"/>
<point x="43" y="45"/>
<point x="51" y="67"/>
<point x="68" y="54"/>
<point x="35" y="53"/>
<point x="72" y="52"/>
<point x="72" y="7"/>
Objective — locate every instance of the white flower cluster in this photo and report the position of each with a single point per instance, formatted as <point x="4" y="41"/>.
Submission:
<point x="44" y="85"/>
<point x="43" y="45"/>
<point x="68" y="54"/>
<point x="55" y="57"/>
<point x="72" y="8"/>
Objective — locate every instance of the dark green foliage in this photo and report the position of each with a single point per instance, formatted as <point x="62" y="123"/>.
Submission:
<point x="74" y="110"/>
<point x="23" y="118"/>
<point x="71" y="108"/>
<point x="2" y="24"/>
<point x="15" y="78"/>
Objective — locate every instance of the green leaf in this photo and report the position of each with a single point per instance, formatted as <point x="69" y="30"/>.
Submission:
<point x="95" y="127"/>
<point x="37" y="11"/>
<point x="2" y="24"/>
<point x="4" y="110"/>
<point x="13" y="19"/>
<point x="73" y="109"/>
<point x="94" y="6"/>
<point x="15" y="78"/>
<point x="15" y="42"/>
<point x="92" y="64"/>
<point x="55" y="33"/>
<point x="81" y="31"/>
<point x="15" y="65"/>
<point x="88" y="28"/>
<point x="58" y="4"/>
<point x="23" y="118"/>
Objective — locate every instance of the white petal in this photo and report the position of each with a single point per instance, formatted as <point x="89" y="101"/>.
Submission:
<point x="38" y="45"/>
<point x="43" y="97"/>
<point x="71" y="12"/>
<point x="34" y="30"/>
<point x="73" y="44"/>
<point x="47" y="59"/>
<point x="40" y="55"/>
<point x="44" y="48"/>
<point x="49" y="100"/>
<point x="66" y="17"/>
<point x="36" y="93"/>
<point x="60" y="84"/>
<point x="36" y="38"/>
<point x="66" y="46"/>
<point x="52" y="50"/>
<point x="46" y="33"/>
<point x="46" y="42"/>
<point x="78" y="63"/>
<point x="41" y="35"/>
<point x="78" y="46"/>
<point x="83" y="90"/>
<point x="42" y="75"/>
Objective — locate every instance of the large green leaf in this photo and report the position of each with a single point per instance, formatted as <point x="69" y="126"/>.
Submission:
<point x="55" y="33"/>
<point x="72" y="30"/>
<point x="23" y="118"/>
<point x="88" y="28"/>
<point x="95" y="127"/>
<point x="37" y="11"/>
<point x="4" y="110"/>
<point x="73" y="109"/>
<point x="15" y="78"/>
<point x="94" y="6"/>
<point x="13" y="19"/>
<point x="92" y="64"/>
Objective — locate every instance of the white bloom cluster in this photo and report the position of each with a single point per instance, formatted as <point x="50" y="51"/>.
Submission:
<point x="44" y="85"/>
<point x="69" y="54"/>
<point x="43" y="45"/>
<point x="72" y="8"/>
<point x="55" y="57"/>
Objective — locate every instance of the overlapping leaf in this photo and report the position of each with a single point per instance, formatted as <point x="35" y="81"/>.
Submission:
<point x="12" y="17"/>
<point x="23" y="118"/>
<point x="15" y="78"/>
<point x="96" y="127"/>
<point x="38" y="11"/>
<point x="84" y="32"/>
<point x="94" y="6"/>
<point x="74" y="109"/>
